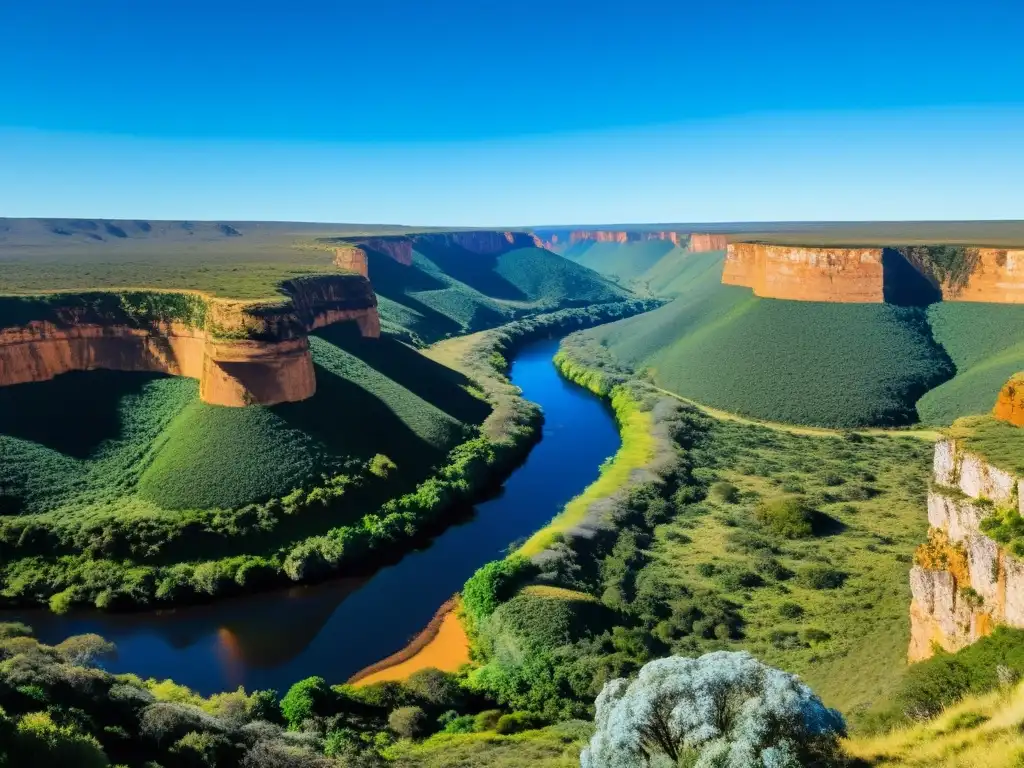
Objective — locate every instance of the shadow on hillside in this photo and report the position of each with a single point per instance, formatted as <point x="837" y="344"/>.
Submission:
<point x="437" y="384"/>
<point x="903" y="285"/>
<point x="394" y="281"/>
<point x="474" y="269"/>
<point x="350" y="421"/>
<point x="824" y="525"/>
<point x="73" y="413"/>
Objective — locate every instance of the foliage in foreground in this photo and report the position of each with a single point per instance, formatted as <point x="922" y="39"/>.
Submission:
<point x="717" y="711"/>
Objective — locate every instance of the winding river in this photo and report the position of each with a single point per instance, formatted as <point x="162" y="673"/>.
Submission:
<point x="334" y="629"/>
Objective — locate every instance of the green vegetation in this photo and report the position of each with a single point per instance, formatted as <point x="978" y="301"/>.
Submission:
<point x="998" y="442"/>
<point x="159" y="498"/>
<point x="835" y="365"/>
<point x="984" y="343"/>
<point x="446" y="293"/>
<point x="625" y="262"/>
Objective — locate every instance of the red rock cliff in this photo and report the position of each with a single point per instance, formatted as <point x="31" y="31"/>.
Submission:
<point x="242" y="353"/>
<point x="605" y="236"/>
<point x="806" y="274"/>
<point x="481" y="242"/>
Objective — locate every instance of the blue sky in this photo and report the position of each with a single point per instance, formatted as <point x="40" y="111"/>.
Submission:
<point x="476" y="113"/>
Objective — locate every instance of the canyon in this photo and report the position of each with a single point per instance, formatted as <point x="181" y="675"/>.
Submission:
<point x="242" y="353"/>
<point x="867" y="275"/>
<point x="559" y="240"/>
<point x="399" y="248"/>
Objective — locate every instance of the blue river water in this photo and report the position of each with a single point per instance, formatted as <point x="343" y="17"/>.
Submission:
<point x="334" y="629"/>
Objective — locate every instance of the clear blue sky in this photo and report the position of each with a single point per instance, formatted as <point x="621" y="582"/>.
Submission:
<point x="479" y="113"/>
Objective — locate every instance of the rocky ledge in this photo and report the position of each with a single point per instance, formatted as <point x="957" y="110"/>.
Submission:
<point x="243" y="353"/>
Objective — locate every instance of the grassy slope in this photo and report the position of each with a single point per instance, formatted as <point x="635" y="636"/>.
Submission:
<point x="986" y="343"/>
<point x="450" y="293"/>
<point x="625" y="261"/>
<point x="872" y="496"/>
<point x="155" y="437"/>
<point x="834" y="365"/>
<point x="979" y="732"/>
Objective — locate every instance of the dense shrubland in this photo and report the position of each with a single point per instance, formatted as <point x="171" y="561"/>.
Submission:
<point x="138" y="557"/>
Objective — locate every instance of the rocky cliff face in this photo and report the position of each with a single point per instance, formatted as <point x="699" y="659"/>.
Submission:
<point x="483" y="243"/>
<point x="963" y="583"/>
<point x="702" y="242"/>
<point x="560" y="240"/>
<point x="353" y="254"/>
<point x="996" y="275"/>
<point x="242" y="353"/>
<point x="951" y="273"/>
<point x="1010" y="402"/>
<point x="806" y="274"/>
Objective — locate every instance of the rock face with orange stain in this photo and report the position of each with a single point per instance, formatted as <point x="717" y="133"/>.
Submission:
<point x="242" y="352"/>
<point x="701" y="242"/>
<point x="1010" y="402"/>
<point x="806" y="274"/>
<point x="996" y="275"/>
<point x="963" y="583"/>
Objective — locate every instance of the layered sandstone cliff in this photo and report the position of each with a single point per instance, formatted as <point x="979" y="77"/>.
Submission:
<point x="897" y="273"/>
<point x="242" y="352"/>
<point x="806" y="274"/>
<point x="964" y="583"/>
<point x="701" y="242"/>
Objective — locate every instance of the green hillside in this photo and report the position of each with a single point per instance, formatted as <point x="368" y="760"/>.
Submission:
<point x="449" y="292"/>
<point x="836" y="365"/>
<point x="624" y="261"/>
<point x="147" y="443"/>
<point x="986" y="343"/>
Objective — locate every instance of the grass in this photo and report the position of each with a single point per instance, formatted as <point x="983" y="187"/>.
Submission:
<point x="999" y="442"/>
<point x="636" y="451"/>
<point x="624" y="261"/>
<point x="984" y="342"/>
<point x="832" y="365"/>
<point x="979" y="732"/>
<point x="869" y="497"/>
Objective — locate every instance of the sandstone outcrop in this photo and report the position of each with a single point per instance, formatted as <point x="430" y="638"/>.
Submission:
<point x="397" y="247"/>
<point x="1010" y="402"/>
<point x="242" y="352"/>
<point x="847" y="274"/>
<point x="702" y="242"/>
<point x="806" y="274"/>
<point x="963" y="583"/>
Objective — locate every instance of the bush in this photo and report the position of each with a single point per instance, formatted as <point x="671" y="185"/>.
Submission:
<point x="724" y="492"/>
<point x="813" y="635"/>
<point x="304" y="700"/>
<point x="436" y="689"/>
<point x="517" y="722"/>
<point x="788" y="516"/>
<point x="712" y="711"/>
<point x="492" y="585"/>
<point x="409" y="722"/>
<point x="791" y="610"/>
<point x="487" y="720"/>
<point x="821" y="577"/>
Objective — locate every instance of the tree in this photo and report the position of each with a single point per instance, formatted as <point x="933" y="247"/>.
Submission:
<point x="718" y="711"/>
<point x="303" y="700"/>
<point x="85" y="650"/>
<point x="408" y="722"/>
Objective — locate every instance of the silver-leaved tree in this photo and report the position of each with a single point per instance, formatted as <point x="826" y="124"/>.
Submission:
<point x="722" y="710"/>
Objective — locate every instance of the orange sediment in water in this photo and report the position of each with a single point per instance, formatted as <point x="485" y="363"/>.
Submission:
<point x="443" y="645"/>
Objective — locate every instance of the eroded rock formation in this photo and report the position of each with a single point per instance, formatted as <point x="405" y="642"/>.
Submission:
<point x="242" y="352"/>
<point x="701" y="242"/>
<point x="963" y="583"/>
<point x="806" y="274"/>
<point x="901" y="274"/>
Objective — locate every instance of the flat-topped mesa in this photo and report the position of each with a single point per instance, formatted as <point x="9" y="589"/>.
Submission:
<point x="243" y="353"/>
<point x="964" y="583"/>
<point x="480" y="242"/>
<point x="702" y="242"/>
<point x="608" y="236"/>
<point x="917" y="274"/>
<point x="353" y="252"/>
<point x="806" y="274"/>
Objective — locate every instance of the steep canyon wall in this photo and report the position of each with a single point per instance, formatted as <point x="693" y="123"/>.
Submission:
<point x="964" y="583"/>
<point x="872" y="275"/>
<point x="242" y="353"/>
